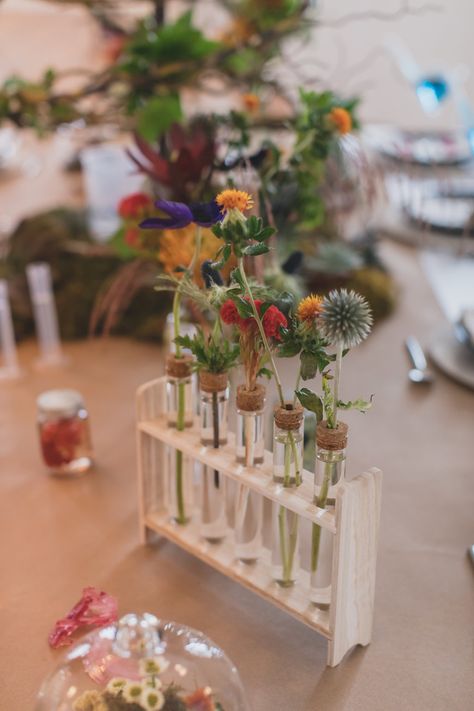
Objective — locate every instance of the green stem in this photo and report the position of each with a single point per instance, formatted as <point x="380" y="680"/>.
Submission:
<point x="181" y="413"/>
<point x="282" y="532"/>
<point x="296" y="458"/>
<point x="321" y="503"/>
<point x="287" y="464"/>
<point x="262" y="332"/>
<point x="177" y="319"/>
<point x="297" y="386"/>
<point x="332" y="421"/>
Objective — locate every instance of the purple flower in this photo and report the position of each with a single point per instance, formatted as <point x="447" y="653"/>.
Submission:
<point x="180" y="215"/>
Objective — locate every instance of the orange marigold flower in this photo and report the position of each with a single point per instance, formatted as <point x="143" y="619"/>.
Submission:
<point x="251" y="102"/>
<point x="341" y="120"/>
<point x="234" y="200"/>
<point x="310" y="308"/>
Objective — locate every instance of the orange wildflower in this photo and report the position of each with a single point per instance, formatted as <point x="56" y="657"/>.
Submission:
<point x="310" y="308"/>
<point x="341" y="120"/>
<point x="251" y="102"/>
<point x="232" y="199"/>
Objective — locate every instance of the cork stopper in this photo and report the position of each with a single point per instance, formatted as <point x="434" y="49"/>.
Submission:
<point x="332" y="440"/>
<point x="213" y="382"/>
<point x="179" y="367"/>
<point x="250" y="400"/>
<point x="288" y="417"/>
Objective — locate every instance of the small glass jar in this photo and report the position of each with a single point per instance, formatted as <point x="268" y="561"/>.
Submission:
<point x="287" y="470"/>
<point x="214" y="393"/>
<point x="329" y="475"/>
<point x="249" y="440"/>
<point x="249" y="452"/>
<point x="179" y="391"/>
<point x="63" y="424"/>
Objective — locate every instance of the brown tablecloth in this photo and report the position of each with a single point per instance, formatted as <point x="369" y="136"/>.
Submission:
<point x="58" y="536"/>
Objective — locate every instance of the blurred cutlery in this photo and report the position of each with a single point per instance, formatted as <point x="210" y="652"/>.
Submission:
<point x="419" y="374"/>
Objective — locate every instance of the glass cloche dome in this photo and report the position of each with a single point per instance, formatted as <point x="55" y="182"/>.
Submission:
<point x="142" y="663"/>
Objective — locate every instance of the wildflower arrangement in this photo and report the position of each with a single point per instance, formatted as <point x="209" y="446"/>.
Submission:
<point x="248" y="323"/>
<point x="146" y="693"/>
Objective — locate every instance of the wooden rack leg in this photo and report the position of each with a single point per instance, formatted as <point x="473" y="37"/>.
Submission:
<point x="151" y="456"/>
<point x="354" y="561"/>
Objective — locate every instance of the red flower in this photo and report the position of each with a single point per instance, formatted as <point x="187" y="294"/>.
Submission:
<point x="133" y="205"/>
<point x="272" y="321"/>
<point x="229" y="313"/>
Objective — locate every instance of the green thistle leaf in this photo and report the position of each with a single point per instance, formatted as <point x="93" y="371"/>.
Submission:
<point x="311" y="402"/>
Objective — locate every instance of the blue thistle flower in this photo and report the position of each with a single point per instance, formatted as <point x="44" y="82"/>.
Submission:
<point x="346" y="318"/>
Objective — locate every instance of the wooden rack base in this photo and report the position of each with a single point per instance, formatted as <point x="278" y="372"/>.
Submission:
<point x="354" y="523"/>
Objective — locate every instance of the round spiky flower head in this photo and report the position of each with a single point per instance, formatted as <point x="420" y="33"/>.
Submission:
<point x="346" y="318"/>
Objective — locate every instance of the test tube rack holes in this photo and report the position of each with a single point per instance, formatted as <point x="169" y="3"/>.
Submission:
<point x="354" y="522"/>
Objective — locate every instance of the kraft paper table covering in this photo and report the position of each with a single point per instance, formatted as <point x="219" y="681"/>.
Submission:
<point x="58" y="536"/>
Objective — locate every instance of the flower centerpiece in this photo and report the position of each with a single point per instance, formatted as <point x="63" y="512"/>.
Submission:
<point x="342" y="320"/>
<point x="179" y="365"/>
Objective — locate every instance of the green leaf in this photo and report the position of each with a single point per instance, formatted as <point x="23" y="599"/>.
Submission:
<point x="243" y="307"/>
<point x="264" y="235"/>
<point x="311" y="402"/>
<point x="158" y="115"/>
<point x="265" y="373"/>
<point x="225" y="256"/>
<point x="253" y="250"/>
<point x="309" y="365"/>
<point x="289" y="349"/>
<point x="236" y="275"/>
<point x="360" y="405"/>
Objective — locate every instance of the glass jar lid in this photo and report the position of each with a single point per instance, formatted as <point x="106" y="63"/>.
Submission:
<point x="142" y="663"/>
<point x="60" y="403"/>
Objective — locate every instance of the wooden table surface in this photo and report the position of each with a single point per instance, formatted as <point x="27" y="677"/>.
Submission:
<point x="59" y="536"/>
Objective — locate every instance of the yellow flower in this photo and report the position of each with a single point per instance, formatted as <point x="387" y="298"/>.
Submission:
<point x="251" y="102"/>
<point x="341" y="120"/>
<point x="175" y="249"/>
<point x="310" y="308"/>
<point x="234" y="200"/>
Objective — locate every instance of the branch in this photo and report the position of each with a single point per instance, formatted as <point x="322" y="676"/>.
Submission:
<point x="405" y="9"/>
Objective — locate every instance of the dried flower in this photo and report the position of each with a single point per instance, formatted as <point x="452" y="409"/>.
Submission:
<point x="200" y="700"/>
<point x="273" y="320"/>
<point x="341" y="120"/>
<point x="231" y="199"/>
<point x="310" y="308"/>
<point x="116" y="685"/>
<point x="153" y="665"/>
<point x="152" y="700"/>
<point x="346" y="319"/>
<point x="134" y="205"/>
<point x="90" y="701"/>
<point x="132" y="691"/>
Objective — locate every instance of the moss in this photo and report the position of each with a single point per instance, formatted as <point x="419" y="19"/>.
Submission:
<point x="80" y="269"/>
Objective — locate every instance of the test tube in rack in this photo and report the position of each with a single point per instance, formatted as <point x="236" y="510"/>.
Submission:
<point x="44" y="309"/>
<point x="8" y="361"/>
